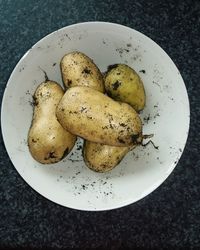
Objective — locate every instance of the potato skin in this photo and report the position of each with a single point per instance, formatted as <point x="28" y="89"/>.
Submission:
<point x="48" y="141"/>
<point x="77" y="69"/>
<point x="103" y="158"/>
<point x="96" y="117"/>
<point x="123" y="84"/>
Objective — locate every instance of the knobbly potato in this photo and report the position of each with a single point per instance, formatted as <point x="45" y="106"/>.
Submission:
<point x="103" y="158"/>
<point x="96" y="117"/>
<point x="79" y="70"/>
<point x="123" y="84"/>
<point x="48" y="141"/>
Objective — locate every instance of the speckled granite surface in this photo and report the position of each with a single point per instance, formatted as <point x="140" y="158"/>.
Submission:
<point x="167" y="218"/>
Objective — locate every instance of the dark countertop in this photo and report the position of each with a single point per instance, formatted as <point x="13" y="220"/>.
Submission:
<point x="170" y="216"/>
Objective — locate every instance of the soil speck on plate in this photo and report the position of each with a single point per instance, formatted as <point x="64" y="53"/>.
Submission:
<point x="21" y="69"/>
<point x="157" y="84"/>
<point x="122" y="50"/>
<point x="147" y="118"/>
<point x="68" y="36"/>
<point x="74" y="160"/>
<point x="32" y="103"/>
<point x="83" y="187"/>
<point x="79" y="147"/>
<point x="156" y="115"/>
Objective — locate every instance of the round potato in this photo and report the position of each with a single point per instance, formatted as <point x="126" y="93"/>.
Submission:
<point x="48" y="141"/>
<point x="79" y="70"/>
<point x="102" y="158"/>
<point x="123" y="84"/>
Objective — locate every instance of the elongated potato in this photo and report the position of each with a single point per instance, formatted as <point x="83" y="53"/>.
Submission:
<point x="123" y="84"/>
<point x="79" y="70"/>
<point x="96" y="117"/>
<point x="48" y="141"/>
<point x="103" y="158"/>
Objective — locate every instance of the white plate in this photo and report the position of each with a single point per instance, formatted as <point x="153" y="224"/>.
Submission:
<point x="70" y="183"/>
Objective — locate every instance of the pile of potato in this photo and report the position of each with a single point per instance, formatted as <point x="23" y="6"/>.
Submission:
<point x="102" y="109"/>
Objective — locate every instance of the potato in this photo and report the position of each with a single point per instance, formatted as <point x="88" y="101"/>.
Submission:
<point x="103" y="158"/>
<point x="123" y="84"/>
<point x="48" y="141"/>
<point x="96" y="117"/>
<point x="79" y="70"/>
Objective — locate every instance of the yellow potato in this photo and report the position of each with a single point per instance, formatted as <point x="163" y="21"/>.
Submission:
<point x="103" y="158"/>
<point x="79" y="70"/>
<point x="96" y="117"/>
<point x="48" y="141"/>
<point x="123" y="84"/>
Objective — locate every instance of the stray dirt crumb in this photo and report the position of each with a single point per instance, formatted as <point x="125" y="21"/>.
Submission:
<point x="79" y="147"/>
<point x="147" y="118"/>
